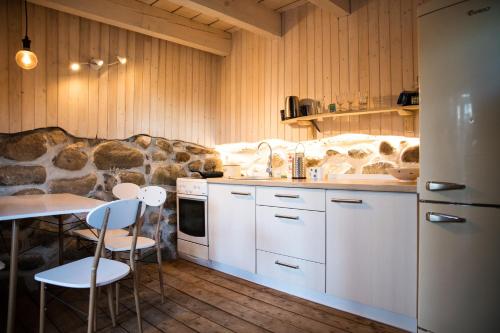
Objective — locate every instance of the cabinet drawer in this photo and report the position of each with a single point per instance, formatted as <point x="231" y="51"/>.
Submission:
<point x="290" y="270"/>
<point x="299" y="198"/>
<point x="291" y="232"/>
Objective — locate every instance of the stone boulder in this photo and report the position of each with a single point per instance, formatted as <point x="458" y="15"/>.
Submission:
<point x="333" y="152"/>
<point x="313" y="162"/>
<point x="182" y="156"/>
<point x="11" y="175"/>
<point x="378" y="167"/>
<point x="195" y="175"/>
<point x="79" y="186"/>
<point x="212" y="164"/>
<point x="29" y="191"/>
<point x="386" y="148"/>
<point x="167" y="175"/>
<point x="358" y="153"/>
<point x="159" y="155"/>
<point x="164" y="145"/>
<point x="71" y="157"/>
<point x="114" y="154"/>
<point x="411" y="154"/>
<point x="277" y="161"/>
<point x="56" y="137"/>
<point x="110" y="181"/>
<point x="195" y="166"/>
<point x="199" y="150"/>
<point x="27" y="147"/>
<point x="132" y="177"/>
<point x="143" y="140"/>
<point x="171" y="202"/>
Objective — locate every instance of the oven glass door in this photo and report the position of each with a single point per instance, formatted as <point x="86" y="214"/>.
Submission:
<point x="192" y="219"/>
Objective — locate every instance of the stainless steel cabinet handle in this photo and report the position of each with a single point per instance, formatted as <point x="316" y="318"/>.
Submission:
<point x="353" y="201"/>
<point x="241" y="193"/>
<point x="443" y="218"/>
<point x="277" y="262"/>
<point x="293" y="196"/>
<point x="286" y="217"/>
<point x="443" y="186"/>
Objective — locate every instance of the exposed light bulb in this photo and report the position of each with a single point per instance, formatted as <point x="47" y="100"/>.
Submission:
<point x="75" y="67"/>
<point x="26" y="59"/>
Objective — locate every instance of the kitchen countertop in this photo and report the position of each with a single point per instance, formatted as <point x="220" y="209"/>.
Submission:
<point x="377" y="185"/>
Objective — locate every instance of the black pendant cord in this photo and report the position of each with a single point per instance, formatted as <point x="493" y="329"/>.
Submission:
<point x="26" y="18"/>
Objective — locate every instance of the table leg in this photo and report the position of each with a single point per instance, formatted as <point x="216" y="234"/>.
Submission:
<point x="61" y="239"/>
<point x="14" y="251"/>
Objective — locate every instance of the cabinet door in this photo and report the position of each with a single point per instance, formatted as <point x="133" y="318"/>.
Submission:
<point x="372" y="249"/>
<point x="231" y="220"/>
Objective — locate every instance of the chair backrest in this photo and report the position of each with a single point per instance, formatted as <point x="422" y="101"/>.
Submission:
<point x="122" y="213"/>
<point x="126" y="191"/>
<point x="152" y="195"/>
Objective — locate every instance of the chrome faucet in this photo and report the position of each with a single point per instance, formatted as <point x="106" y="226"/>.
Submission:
<point x="269" y="169"/>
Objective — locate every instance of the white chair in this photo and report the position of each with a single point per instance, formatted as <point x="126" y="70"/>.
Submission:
<point x="121" y="191"/>
<point x="152" y="196"/>
<point x="93" y="272"/>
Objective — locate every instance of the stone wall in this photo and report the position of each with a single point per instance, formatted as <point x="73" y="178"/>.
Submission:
<point x="347" y="153"/>
<point x="52" y="161"/>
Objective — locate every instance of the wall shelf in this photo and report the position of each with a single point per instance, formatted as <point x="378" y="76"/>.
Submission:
<point x="312" y="120"/>
<point x="307" y="121"/>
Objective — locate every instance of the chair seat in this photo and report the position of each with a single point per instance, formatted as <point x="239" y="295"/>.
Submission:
<point x="90" y="234"/>
<point x="77" y="273"/>
<point x="125" y="243"/>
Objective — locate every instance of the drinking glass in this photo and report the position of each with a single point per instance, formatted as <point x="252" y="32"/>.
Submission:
<point x="363" y="100"/>
<point x="341" y="99"/>
<point x="350" y="99"/>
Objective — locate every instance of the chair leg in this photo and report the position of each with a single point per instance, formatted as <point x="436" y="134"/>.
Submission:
<point x="95" y="316"/>
<point x="110" y="304"/>
<point x="117" y="297"/>
<point x="91" y="314"/>
<point x="136" y="297"/>
<point x="160" y="272"/>
<point x="42" y="308"/>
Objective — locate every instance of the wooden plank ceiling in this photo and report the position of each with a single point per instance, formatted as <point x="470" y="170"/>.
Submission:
<point x="215" y="22"/>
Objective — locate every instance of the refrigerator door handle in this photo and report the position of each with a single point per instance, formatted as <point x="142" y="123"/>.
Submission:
<point x="443" y="186"/>
<point x="443" y="218"/>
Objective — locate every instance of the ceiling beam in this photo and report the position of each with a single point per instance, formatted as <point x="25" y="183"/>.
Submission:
<point x="336" y="7"/>
<point x="139" y="17"/>
<point x="246" y="14"/>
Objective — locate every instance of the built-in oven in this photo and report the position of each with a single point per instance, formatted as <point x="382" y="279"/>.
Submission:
<point x="192" y="219"/>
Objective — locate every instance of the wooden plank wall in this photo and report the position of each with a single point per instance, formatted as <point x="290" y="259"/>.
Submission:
<point x="372" y="50"/>
<point x="164" y="90"/>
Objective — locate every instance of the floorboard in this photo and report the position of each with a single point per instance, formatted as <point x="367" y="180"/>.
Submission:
<point x="198" y="299"/>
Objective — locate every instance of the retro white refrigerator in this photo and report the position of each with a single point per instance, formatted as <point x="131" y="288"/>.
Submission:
<point x="459" y="185"/>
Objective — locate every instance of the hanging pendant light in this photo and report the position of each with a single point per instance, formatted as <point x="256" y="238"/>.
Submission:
<point x="25" y="58"/>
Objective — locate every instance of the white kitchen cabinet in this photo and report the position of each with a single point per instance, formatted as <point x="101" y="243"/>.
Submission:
<point x="371" y="244"/>
<point x="291" y="271"/>
<point x="291" y="197"/>
<point x="231" y="220"/>
<point x="292" y="232"/>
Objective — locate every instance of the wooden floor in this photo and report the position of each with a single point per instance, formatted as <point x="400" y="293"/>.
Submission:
<point x="198" y="300"/>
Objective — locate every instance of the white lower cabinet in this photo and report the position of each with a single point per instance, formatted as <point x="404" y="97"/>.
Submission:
<point x="231" y="232"/>
<point x="292" y="271"/>
<point x="292" y="232"/>
<point x="371" y="242"/>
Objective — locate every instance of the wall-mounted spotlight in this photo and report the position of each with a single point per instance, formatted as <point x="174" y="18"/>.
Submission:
<point x="119" y="60"/>
<point x="95" y="64"/>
